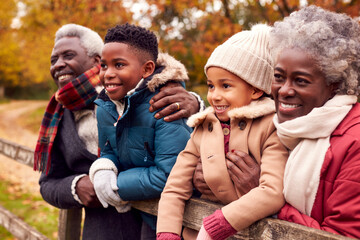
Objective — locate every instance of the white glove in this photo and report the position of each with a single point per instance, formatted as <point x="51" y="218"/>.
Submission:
<point x="105" y="185"/>
<point x="203" y="234"/>
<point x="123" y="207"/>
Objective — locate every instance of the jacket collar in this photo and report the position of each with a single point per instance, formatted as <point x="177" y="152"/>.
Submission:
<point x="173" y="70"/>
<point x="255" y="109"/>
<point x="352" y="118"/>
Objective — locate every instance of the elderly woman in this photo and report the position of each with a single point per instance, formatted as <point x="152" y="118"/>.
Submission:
<point x="315" y="89"/>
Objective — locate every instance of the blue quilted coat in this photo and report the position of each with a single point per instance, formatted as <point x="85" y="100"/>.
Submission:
<point x="143" y="148"/>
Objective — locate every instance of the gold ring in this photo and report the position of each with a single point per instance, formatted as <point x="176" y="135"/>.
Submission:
<point x="178" y="106"/>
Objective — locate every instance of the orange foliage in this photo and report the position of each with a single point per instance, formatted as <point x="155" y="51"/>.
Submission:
<point x="189" y="30"/>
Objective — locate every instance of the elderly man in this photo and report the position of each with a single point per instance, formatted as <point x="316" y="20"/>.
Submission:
<point x="68" y="138"/>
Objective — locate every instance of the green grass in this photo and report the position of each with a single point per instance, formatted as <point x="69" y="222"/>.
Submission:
<point x="2" y="101"/>
<point x="30" y="208"/>
<point x="5" y="235"/>
<point x="32" y="120"/>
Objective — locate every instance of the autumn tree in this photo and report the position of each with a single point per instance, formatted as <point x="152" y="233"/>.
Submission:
<point x="189" y="30"/>
<point x="9" y="49"/>
<point x="43" y="17"/>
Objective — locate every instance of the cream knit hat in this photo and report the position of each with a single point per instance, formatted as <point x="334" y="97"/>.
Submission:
<point x="247" y="55"/>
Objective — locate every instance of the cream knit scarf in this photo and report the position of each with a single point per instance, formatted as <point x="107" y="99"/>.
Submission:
<point x="308" y="138"/>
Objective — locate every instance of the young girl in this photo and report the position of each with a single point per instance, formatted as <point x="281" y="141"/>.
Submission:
<point x="239" y="72"/>
<point x="137" y="150"/>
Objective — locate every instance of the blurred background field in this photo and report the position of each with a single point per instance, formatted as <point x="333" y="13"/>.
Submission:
<point x="29" y="206"/>
<point x="19" y="189"/>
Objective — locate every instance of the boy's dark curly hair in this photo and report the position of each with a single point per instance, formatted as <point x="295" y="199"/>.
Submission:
<point x="139" y="38"/>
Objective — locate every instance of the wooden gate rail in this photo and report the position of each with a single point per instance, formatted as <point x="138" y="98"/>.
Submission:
<point x="195" y="210"/>
<point x="18" y="227"/>
<point x="69" y="226"/>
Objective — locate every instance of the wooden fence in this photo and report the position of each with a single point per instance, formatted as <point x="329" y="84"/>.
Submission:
<point x="196" y="209"/>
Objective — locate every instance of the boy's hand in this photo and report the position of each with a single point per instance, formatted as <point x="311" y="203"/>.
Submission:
<point x="243" y="170"/>
<point x="105" y="185"/>
<point x="176" y="101"/>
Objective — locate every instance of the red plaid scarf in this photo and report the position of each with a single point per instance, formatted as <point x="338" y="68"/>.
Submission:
<point x="75" y="95"/>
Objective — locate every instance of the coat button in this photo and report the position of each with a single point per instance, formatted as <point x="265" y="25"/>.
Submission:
<point x="226" y="131"/>
<point x="210" y="127"/>
<point x="242" y="124"/>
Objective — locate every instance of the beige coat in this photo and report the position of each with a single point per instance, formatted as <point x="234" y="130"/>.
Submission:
<point x="253" y="132"/>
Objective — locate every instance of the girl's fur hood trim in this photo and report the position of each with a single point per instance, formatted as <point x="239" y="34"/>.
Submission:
<point x="254" y="110"/>
<point x="173" y="70"/>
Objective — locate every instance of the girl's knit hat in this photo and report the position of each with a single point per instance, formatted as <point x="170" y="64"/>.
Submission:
<point x="247" y="55"/>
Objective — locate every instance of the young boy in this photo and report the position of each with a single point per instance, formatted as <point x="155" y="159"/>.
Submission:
<point x="137" y="150"/>
<point x="239" y="72"/>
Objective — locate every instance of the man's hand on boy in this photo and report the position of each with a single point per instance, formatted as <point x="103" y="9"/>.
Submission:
<point x="243" y="170"/>
<point x="176" y="101"/>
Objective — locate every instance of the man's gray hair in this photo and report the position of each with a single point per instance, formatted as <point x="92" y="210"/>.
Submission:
<point x="332" y="39"/>
<point x="89" y="39"/>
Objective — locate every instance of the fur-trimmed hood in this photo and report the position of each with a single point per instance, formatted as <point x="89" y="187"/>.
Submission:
<point x="173" y="70"/>
<point x="254" y="110"/>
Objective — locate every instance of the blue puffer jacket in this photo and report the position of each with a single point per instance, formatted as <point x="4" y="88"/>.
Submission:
<point x="143" y="148"/>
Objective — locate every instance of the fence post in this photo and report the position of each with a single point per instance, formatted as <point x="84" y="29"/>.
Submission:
<point x="69" y="224"/>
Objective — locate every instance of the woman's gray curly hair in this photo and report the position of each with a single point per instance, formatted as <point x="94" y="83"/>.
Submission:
<point x="89" y="39"/>
<point x="332" y="39"/>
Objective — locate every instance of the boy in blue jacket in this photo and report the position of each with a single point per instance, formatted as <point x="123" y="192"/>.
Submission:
<point x="138" y="151"/>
